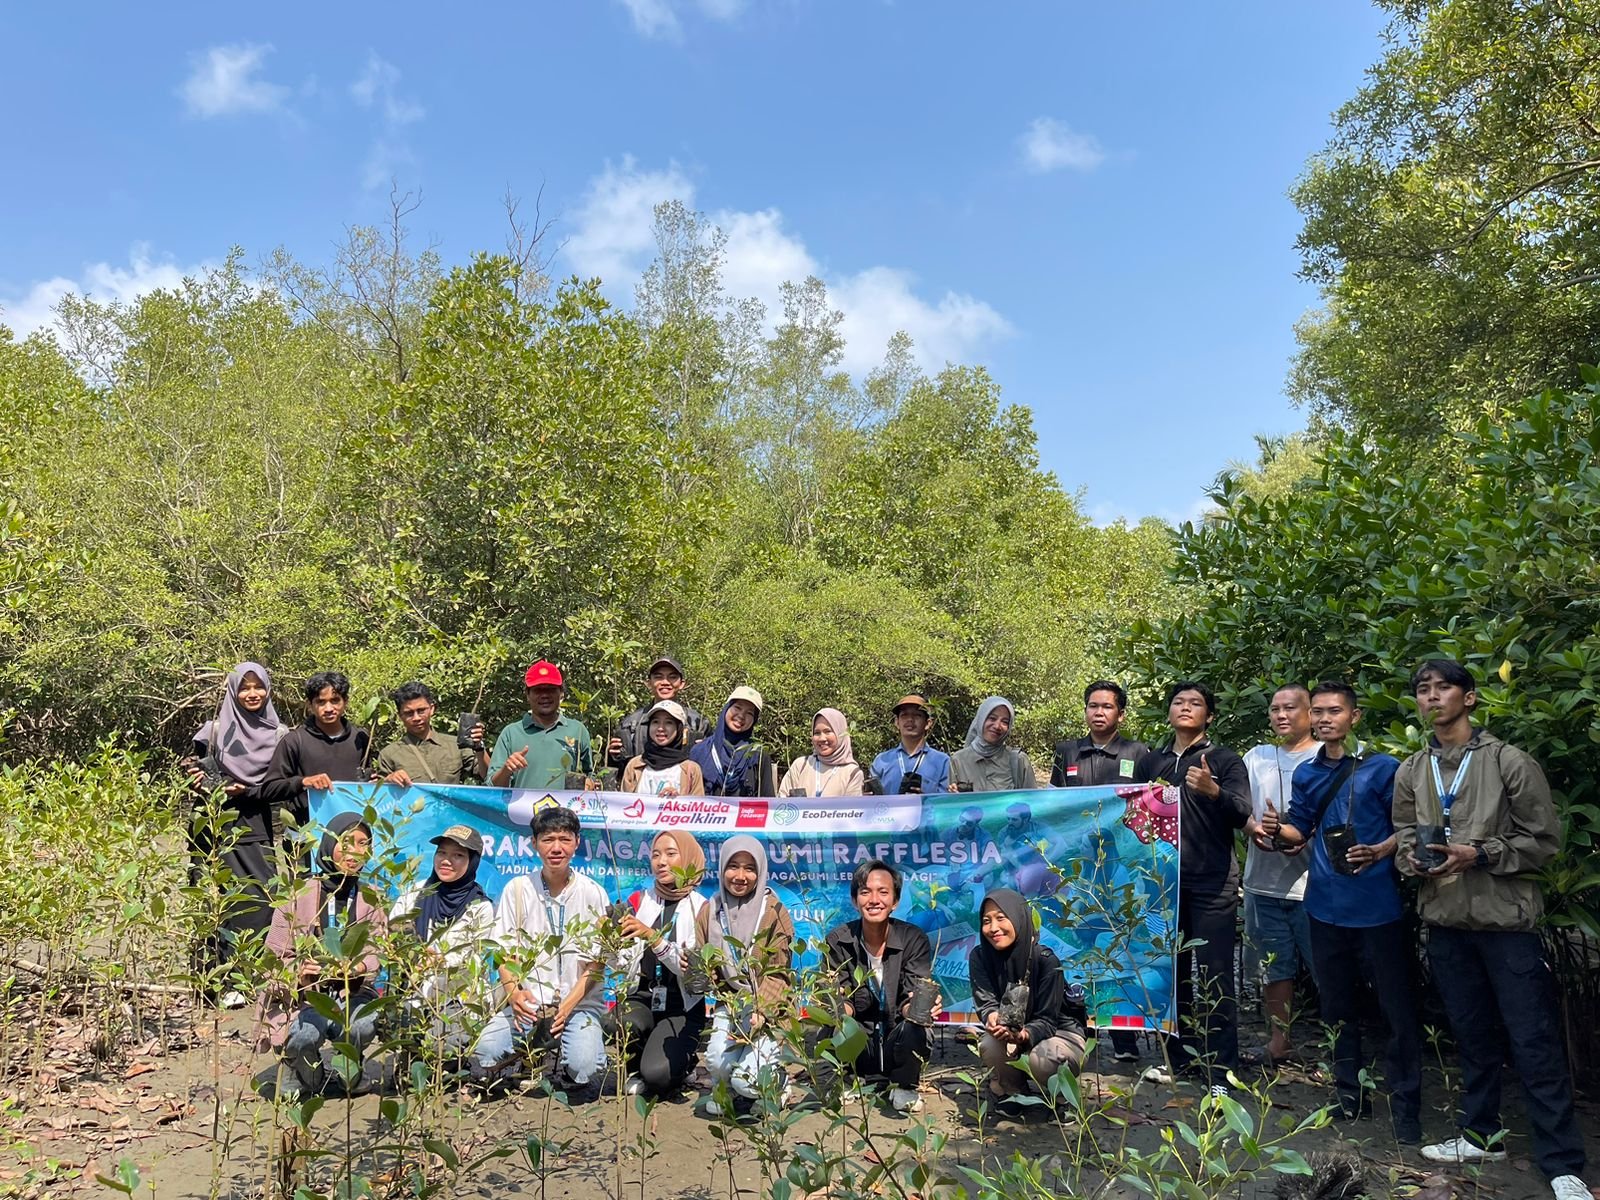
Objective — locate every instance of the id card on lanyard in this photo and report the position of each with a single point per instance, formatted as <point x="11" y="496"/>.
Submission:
<point x="658" y="977"/>
<point x="737" y="953"/>
<point x="555" y="919"/>
<point x="1448" y="798"/>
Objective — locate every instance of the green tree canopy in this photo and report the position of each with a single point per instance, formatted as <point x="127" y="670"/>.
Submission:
<point x="1452" y="220"/>
<point x="1373" y="567"/>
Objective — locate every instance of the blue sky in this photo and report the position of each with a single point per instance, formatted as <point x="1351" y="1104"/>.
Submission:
<point x="1088" y="199"/>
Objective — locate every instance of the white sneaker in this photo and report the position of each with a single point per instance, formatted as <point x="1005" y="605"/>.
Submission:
<point x="1570" y="1187"/>
<point x="1156" y="1073"/>
<point x="1464" y="1150"/>
<point x="232" y="998"/>
<point x="1219" y="1091"/>
<point x="712" y="1108"/>
<point x="634" y="1086"/>
<point x="905" y="1100"/>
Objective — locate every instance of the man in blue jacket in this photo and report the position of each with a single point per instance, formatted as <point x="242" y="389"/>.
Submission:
<point x="1342" y="802"/>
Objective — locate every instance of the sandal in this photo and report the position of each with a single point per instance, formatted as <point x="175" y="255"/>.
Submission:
<point x="1262" y="1056"/>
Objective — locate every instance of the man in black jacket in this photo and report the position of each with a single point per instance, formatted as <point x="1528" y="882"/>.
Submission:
<point x="878" y="961"/>
<point x="1214" y="796"/>
<point x="1104" y="756"/>
<point x="312" y="756"/>
<point x="666" y="681"/>
<point x="1101" y="758"/>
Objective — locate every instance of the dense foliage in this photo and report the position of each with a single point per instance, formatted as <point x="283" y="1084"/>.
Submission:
<point x="1452" y="223"/>
<point x="406" y="471"/>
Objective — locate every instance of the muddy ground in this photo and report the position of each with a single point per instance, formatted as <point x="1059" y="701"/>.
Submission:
<point x="194" y="1127"/>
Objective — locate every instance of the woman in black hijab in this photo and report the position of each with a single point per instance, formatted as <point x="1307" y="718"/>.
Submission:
<point x="452" y="919"/>
<point x="1021" y="997"/>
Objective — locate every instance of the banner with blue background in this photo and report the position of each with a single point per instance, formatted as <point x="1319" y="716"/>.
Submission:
<point x="1100" y="865"/>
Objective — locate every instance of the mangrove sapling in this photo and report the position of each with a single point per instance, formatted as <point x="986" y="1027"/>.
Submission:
<point x="221" y="960"/>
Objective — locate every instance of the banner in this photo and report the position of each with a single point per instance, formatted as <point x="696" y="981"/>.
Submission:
<point x="1100" y="865"/>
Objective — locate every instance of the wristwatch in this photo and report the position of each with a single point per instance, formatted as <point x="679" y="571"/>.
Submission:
<point x="1483" y="856"/>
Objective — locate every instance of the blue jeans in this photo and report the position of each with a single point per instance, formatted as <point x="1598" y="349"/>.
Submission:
<point x="583" y="1045"/>
<point x="310" y="1031"/>
<point x="740" y="1061"/>
<point x="1277" y="937"/>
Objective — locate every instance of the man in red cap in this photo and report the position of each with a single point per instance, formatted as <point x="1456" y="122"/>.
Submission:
<point x="543" y="748"/>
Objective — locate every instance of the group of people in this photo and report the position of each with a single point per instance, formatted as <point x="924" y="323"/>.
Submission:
<point x="687" y="968"/>
<point x="1330" y="828"/>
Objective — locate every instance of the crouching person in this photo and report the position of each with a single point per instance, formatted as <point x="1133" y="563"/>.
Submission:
<point x="309" y="934"/>
<point x="452" y="920"/>
<point x="546" y="931"/>
<point x="752" y="936"/>
<point x="662" y="1017"/>
<point x="1021" y="998"/>
<point x="880" y="963"/>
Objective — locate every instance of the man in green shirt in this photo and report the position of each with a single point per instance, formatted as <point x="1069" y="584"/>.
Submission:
<point x="421" y="755"/>
<point x="540" y="750"/>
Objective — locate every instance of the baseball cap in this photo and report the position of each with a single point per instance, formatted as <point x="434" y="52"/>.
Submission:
<point x="543" y="674"/>
<point x="672" y="708"/>
<point x="748" y="694"/>
<point x="665" y="661"/>
<point x="912" y="701"/>
<point x="464" y="836"/>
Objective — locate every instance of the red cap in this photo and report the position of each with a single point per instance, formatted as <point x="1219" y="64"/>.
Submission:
<point x="543" y="674"/>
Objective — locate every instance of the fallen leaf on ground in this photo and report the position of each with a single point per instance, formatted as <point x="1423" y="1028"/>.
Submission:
<point x="1128" y="1115"/>
<point x="137" y="1069"/>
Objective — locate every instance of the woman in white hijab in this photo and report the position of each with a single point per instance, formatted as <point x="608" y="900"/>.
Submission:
<point x="751" y="935"/>
<point x="986" y="761"/>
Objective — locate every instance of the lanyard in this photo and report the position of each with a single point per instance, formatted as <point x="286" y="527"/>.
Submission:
<point x="667" y="917"/>
<point x="817" y="770"/>
<point x="874" y="984"/>
<point x="1446" y="799"/>
<point x="555" y="915"/>
<point x="915" y="765"/>
<point x="734" y="952"/>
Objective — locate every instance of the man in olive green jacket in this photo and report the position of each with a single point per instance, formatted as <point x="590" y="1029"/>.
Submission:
<point x="1474" y="821"/>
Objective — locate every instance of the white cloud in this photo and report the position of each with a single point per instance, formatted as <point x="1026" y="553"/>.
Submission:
<point x="379" y="84"/>
<point x="378" y="89"/>
<point x="1107" y="512"/>
<point x="612" y="239"/>
<point x="612" y="236"/>
<point x="1049" y="145"/>
<point x="225" y="81"/>
<point x="659" y="18"/>
<point x="35" y="309"/>
<point x="653" y="18"/>
<point x="385" y="161"/>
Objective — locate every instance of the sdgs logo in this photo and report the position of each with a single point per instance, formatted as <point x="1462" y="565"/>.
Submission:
<point x="785" y="815"/>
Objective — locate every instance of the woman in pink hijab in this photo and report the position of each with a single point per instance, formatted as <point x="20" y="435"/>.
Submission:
<point x="831" y="768"/>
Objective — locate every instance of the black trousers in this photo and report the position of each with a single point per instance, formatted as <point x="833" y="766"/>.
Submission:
<point x="895" y="1055"/>
<point x="1494" y="979"/>
<point x="1208" y="1007"/>
<point x="1341" y="958"/>
<point x="249" y="909"/>
<point x="662" y="1047"/>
